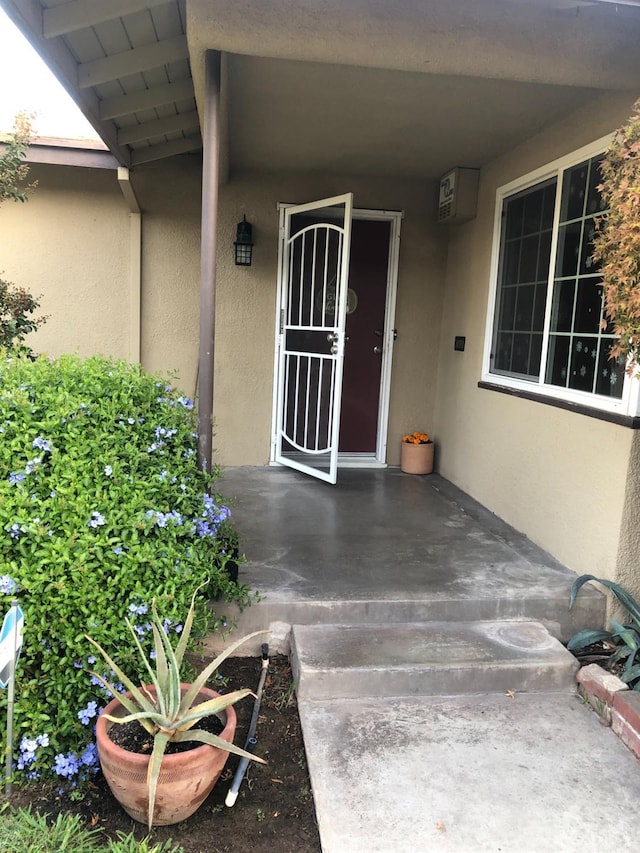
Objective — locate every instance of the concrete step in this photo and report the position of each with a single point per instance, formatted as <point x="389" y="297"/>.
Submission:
<point x="428" y="659"/>
<point x="278" y="610"/>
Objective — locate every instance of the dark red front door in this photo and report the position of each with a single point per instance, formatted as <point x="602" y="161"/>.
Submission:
<point x="368" y="272"/>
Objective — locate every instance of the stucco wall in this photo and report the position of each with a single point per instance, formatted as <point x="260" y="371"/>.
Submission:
<point x="66" y="243"/>
<point x="170" y="197"/>
<point x="556" y="475"/>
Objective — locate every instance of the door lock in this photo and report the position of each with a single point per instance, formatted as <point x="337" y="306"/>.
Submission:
<point x="377" y="350"/>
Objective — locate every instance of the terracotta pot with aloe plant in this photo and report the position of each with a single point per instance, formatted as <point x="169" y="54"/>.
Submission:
<point x="178" y="735"/>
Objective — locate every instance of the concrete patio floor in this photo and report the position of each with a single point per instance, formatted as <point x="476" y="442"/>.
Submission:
<point x="386" y="546"/>
<point x="389" y="583"/>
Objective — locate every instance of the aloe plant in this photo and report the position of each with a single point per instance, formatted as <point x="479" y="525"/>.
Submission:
<point x="170" y="716"/>
<point x="624" y="640"/>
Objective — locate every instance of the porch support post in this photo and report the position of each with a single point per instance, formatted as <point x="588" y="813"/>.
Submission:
<point x="210" y="180"/>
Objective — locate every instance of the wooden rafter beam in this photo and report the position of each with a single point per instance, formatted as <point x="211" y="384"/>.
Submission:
<point x="79" y="14"/>
<point x="166" y="149"/>
<point x="152" y="129"/>
<point x="146" y="99"/>
<point x="132" y="61"/>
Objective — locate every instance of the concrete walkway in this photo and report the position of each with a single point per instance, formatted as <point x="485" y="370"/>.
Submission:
<point x="536" y="773"/>
<point x="399" y="591"/>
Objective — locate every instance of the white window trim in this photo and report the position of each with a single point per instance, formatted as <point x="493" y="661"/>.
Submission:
<point x="629" y="403"/>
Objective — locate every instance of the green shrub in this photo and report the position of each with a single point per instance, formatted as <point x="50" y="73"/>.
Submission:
<point x="102" y="510"/>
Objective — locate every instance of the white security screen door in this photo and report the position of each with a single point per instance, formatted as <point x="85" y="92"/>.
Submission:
<point x="313" y="308"/>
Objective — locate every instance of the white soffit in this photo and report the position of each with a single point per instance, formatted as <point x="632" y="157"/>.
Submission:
<point x="126" y="64"/>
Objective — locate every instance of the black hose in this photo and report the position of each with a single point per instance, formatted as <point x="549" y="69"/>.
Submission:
<point x="251" y="741"/>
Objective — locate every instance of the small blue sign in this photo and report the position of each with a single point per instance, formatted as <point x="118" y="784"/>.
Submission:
<point x="10" y="643"/>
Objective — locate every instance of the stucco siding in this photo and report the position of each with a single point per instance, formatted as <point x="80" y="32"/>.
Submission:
<point x="66" y="243"/>
<point x="556" y="475"/>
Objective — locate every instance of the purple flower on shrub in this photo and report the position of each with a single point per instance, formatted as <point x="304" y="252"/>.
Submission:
<point x="165" y="432"/>
<point x="16" y="530"/>
<point x="32" y="464"/>
<point x="96" y="520"/>
<point x="16" y="477"/>
<point x="89" y="757"/>
<point x="88" y="713"/>
<point x="42" y="444"/>
<point x="7" y="585"/>
<point x="66" y="765"/>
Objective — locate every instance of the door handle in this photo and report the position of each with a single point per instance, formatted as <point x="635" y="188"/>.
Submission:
<point x="377" y="350"/>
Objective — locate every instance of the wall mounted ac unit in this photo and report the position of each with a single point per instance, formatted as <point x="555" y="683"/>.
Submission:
<point x="458" y="196"/>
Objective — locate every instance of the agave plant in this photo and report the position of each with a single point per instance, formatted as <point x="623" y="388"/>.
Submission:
<point x="622" y="642"/>
<point x="169" y="716"/>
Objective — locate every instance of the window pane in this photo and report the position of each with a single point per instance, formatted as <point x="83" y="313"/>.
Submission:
<point x="587" y="265"/>
<point x="544" y="254"/>
<point x="520" y="356"/>
<point x="573" y="192"/>
<point x="524" y="308"/>
<point x="503" y="351"/>
<point x="610" y="378"/>
<point x="508" y="309"/>
<point x="528" y="259"/>
<point x="511" y="262"/>
<point x="583" y="363"/>
<point x="536" y="349"/>
<point x="548" y="206"/>
<point x="588" y="306"/>
<point x="562" y="309"/>
<point x="532" y="213"/>
<point x="595" y="202"/>
<point x="539" y="305"/>
<point x="568" y="249"/>
<point x="514" y="211"/>
<point x="558" y="360"/>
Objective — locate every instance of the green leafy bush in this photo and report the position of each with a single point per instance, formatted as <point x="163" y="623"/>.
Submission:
<point x="17" y="306"/>
<point x="622" y="643"/>
<point x="102" y="509"/>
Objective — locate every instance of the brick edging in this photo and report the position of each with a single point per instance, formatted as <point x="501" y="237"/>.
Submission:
<point x="614" y="703"/>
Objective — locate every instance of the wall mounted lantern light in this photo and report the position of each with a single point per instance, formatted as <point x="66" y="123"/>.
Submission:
<point x="243" y="245"/>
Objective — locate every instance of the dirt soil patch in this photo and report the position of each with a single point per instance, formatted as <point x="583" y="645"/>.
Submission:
<point x="274" y="810"/>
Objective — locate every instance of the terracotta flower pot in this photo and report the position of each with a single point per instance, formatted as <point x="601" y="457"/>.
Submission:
<point x="186" y="778"/>
<point x="417" y="458"/>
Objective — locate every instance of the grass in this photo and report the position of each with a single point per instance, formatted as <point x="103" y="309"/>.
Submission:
<point x="23" y="831"/>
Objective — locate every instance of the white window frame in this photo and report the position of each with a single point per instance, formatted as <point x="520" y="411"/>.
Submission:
<point x="629" y="403"/>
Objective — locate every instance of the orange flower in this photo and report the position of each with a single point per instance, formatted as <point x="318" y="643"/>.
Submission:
<point x="416" y="438"/>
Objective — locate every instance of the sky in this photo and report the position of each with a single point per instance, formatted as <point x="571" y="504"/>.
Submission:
<point x="35" y="89"/>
